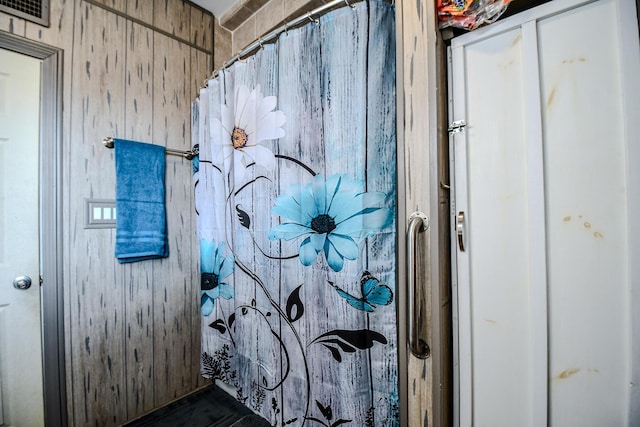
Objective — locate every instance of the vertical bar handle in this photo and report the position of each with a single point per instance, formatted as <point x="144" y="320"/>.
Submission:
<point x="460" y="230"/>
<point x="418" y="345"/>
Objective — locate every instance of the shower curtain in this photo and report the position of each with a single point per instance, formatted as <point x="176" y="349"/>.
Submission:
<point x="295" y="189"/>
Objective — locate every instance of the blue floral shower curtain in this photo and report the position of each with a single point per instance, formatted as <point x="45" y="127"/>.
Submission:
<point x="296" y="216"/>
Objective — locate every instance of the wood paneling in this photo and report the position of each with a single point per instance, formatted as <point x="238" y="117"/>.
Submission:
<point x="11" y="24"/>
<point x="421" y="100"/>
<point x="132" y="331"/>
<point x="119" y="5"/>
<point x="172" y="280"/>
<point x="137" y="281"/>
<point x="97" y="341"/>
<point x="172" y="16"/>
<point x="141" y="9"/>
<point x="202" y="29"/>
<point x="416" y="108"/>
<point x="200" y="71"/>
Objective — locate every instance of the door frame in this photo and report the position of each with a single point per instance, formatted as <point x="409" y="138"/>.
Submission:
<point x="50" y="199"/>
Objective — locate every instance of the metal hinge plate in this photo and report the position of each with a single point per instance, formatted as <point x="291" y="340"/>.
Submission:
<point x="457" y="126"/>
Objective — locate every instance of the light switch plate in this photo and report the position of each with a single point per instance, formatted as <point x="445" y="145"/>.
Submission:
<point x="100" y="213"/>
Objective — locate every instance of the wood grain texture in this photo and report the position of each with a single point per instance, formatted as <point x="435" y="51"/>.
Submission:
<point x="11" y="24"/>
<point x="137" y="278"/>
<point x="174" y="288"/>
<point x="61" y="13"/>
<point x="200" y="70"/>
<point x="114" y="347"/>
<point x="172" y="16"/>
<point x="97" y="344"/>
<point x="119" y="5"/>
<point x="202" y="29"/>
<point x="141" y="9"/>
<point x="418" y="79"/>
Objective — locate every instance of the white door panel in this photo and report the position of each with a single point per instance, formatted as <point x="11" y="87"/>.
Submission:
<point x="545" y="175"/>
<point x="20" y="324"/>
<point x="586" y="201"/>
<point x="497" y="212"/>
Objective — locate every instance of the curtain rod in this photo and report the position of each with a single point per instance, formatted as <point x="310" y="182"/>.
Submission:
<point x="309" y="16"/>
<point x="190" y="154"/>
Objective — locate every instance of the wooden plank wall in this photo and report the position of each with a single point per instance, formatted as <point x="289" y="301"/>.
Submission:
<point x="414" y="138"/>
<point x="131" y="70"/>
<point x="423" y="134"/>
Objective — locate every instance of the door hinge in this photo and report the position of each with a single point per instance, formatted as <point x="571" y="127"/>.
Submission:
<point x="457" y="126"/>
<point x="41" y="280"/>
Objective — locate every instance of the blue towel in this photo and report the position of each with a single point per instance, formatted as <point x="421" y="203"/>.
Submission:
<point x="141" y="224"/>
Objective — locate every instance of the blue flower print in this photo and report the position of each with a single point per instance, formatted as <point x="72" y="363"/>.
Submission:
<point x="214" y="267"/>
<point x="331" y="216"/>
<point x="196" y="164"/>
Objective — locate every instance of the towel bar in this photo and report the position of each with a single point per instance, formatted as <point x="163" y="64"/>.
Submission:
<point x="108" y="142"/>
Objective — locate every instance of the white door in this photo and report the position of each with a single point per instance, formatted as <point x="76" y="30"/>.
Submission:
<point x="20" y="325"/>
<point x="546" y="201"/>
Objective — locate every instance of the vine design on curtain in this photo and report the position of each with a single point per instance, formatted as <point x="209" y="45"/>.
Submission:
<point x="295" y="198"/>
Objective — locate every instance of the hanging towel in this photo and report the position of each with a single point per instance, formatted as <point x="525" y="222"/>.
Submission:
<point x="141" y="225"/>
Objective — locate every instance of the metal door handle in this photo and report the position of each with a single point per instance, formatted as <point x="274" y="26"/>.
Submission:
<point x="460" y="230"/>
<point x="22" y="282"/>
<point x="417" y="341"/>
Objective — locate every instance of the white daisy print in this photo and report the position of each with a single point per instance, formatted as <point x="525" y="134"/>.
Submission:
<point x="251" y="121"/>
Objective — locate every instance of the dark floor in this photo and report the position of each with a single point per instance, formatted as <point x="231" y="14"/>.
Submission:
<point x="210" y="407"/>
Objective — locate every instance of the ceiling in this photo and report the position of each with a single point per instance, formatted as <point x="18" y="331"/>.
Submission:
<point x="217" y="7"/>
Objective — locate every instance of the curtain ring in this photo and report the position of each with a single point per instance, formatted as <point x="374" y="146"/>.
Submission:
<point x="286" y="28"/>
<point x="311" y="18"/>
<point x="350" y="5"/>
<point x="260" y="42"/>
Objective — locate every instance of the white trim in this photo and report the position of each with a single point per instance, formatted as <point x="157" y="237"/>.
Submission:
<point x="537" y="229"/>
<point x="535" y="14"/>
<point x="630" y="67"/>
<point x="459" y="152"/>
